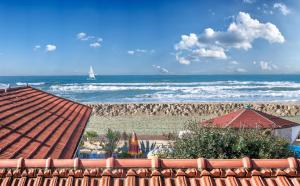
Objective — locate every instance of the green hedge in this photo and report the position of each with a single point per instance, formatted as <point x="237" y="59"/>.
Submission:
<point x="212" y="142"/>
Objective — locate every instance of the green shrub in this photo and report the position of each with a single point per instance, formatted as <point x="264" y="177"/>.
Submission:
<point x="91" y="135"/>
<point x="212" y="142"/>
<point x="146" y="147"/>
<point x="110" y="142"/>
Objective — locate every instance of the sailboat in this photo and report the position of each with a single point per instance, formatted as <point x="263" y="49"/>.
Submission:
<point x="91" y="74"/>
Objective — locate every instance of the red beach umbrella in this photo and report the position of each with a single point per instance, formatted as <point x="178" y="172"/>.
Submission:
<point x="133" y="145"/>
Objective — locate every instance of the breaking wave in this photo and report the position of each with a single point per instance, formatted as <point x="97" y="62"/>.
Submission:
<point x="187" y="87"/>
<point x="185" y="92"/>
<point x="32" y="84"/>
<point x="3" y="86"/>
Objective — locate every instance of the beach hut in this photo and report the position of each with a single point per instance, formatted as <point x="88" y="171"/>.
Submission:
<point x="133" y="145"/>
<point x="250" y="118"/>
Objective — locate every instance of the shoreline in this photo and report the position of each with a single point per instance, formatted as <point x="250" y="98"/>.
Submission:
<point x="160" y="119"/>
<point x="199" y="102"/>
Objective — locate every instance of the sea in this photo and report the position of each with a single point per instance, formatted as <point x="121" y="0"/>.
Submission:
<point x="165" y="88"/>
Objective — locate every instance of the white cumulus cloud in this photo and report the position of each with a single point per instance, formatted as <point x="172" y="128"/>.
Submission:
<point x="282" y="8"/>
<point x="140" y="51"/>
<point x="50" y="48"/>
<point x="234" y="62"/>
<point x="99" y="39"/>
<point x="183" y="60"/>
<point x="160" y="69"/>
<point x="130" y="52"/>
<point x="249" y="1"/>
<point x="95" y="41"/>
<point x="241" y="70"/>
<point x="216" y="52"/>
<point x="95" y="45"/>
<point x="266" y="65"/>
<point x="36" y="47"/>
<point x="81" y="36"/>
<point x="187" y="42"/>
<point x="240" y="34"/>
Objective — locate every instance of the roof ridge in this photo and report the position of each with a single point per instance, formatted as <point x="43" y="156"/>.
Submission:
<point x="9" y="89"/>
<point x="202" y="163"/>
<point x="179" y="172"/>
<point x="229" y="123"/>
<point x="258" y="113"/>
<point x="13" y="94"/>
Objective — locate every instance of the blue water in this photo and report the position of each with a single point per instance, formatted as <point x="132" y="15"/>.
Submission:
<point x="296" y="150"/>
<point x="92" y="155"/>
<point x="158" y="88"/>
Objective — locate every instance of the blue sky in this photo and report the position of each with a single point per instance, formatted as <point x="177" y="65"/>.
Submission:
<point x="57" y="37"/>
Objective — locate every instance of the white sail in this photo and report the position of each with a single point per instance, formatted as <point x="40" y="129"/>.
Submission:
<point x="91" y="73"/>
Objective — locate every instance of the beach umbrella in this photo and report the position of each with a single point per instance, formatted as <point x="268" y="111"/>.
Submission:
<point x="133" y="145"/>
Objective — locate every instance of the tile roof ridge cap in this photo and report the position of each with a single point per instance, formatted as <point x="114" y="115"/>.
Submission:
<point x="201" y="163"/>
<point x="293" y="163"/>
<point x="262" y="114"/>
<point x="9" y="89"/>
<point x="258" y="113"/>
<point x="20" y="163"/>
<point x="247" y="163"/>
<point x="78" y="163"/>
<point x="243" y="110"/>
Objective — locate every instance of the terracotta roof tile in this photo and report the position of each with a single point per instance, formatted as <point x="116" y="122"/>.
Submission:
<point x="265" y="172"/>
<point x="249" y="118"/>
<point x="36" y="124"/>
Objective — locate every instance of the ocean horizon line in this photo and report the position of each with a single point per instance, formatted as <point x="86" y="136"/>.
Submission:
<point x="68" y="75"/>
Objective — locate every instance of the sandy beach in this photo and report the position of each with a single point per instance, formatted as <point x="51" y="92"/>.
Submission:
<point x="156" y="119"/>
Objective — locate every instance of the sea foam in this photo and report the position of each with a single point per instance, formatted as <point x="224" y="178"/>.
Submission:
<point x="30" y="83"/>
<point x="186" y="91"/>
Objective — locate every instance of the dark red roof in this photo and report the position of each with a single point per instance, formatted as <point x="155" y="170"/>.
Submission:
<point x="152" y="172"/>
<point x="36" y="124"/>
<point x="250" y="118"/>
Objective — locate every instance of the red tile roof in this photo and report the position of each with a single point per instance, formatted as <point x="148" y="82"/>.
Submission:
<point x="36" y="124"/>
<point x="155" y="172"/>
<point x="249" y="118"/>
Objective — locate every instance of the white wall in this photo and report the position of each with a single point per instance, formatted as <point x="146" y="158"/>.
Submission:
<point x="295" y="132"/>
<point x="285" y="133"/>
<point x="290" y="133"/>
